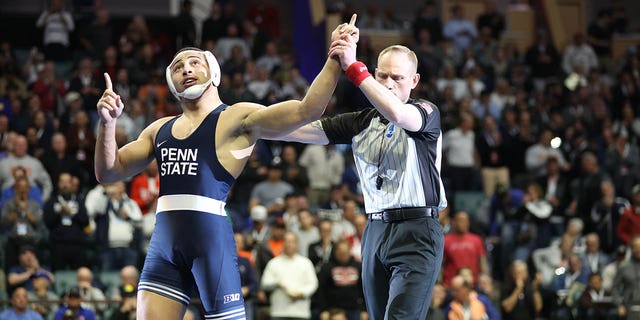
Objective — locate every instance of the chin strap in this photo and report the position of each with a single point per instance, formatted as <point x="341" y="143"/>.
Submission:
<point x="195" y="91"/>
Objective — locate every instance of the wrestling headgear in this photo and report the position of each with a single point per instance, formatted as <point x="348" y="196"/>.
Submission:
<point x="195" y="91"/>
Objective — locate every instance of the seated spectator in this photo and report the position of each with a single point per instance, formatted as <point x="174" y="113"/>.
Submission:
<point x="91" y="295"/>
<point x="629" y="224"/>
<point x="271" y="192"/>
<point x="259" y="232"/>
<point x="8" y="193"/>
<point x="36" y="173"/>
<point x="465" y="301"/>
<point x="72" y="308"/>
<point x="58" y="160"/>
<point x="593" y="259"/>
<point x="22" y="275"/>
<point x="610" y="270"/>
<point x="117" y="229"/>
<point x="22" y="219"/>
<point x="567" y="284"/>
<point x="437" y="303"/>
<point x="340" y="285"/>
<point x="19" y="309"/>
<point x="66" y="218"/>
<point x="42" y="293"/>
<point x="521" y="297"/>
<point x="128" y="305"/>
<point x="595" y="302"/>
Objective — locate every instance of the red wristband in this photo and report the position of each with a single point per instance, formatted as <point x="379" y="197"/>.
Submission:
<point x="357" y="72"/>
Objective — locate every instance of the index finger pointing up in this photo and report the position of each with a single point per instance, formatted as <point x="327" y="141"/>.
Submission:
<point x="352" y="22"/>
<point x="107" y="81"/>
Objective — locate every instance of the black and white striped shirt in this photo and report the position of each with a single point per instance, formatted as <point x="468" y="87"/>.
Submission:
<point x="408" y="162"/>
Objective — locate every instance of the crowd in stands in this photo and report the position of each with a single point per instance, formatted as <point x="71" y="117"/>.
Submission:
<point x="541" y="168"/>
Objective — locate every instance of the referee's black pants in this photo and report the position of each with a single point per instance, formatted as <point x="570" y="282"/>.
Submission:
<point x="400" y="265"/>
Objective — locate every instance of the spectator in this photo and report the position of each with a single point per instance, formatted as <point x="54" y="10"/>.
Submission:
<point x="117" y="229"/>
<point x="586" y="188"/>
<point x="427" y="17"/>
<point x="626" y="287"/>
<point x="491" y="150"/>
<point x="22" y="218"/>
<point x="96" y="37"/>
<point x="543" y="60"/>
<point x="566" y="283"/>
<point x="185" y="26"/>
<point x="58" y="26"/>
<point x="463" y="249"/>
<point x="621" y="162"/>
<point x="230" y="39"/>
<point x="88" y="85"/>
<point x="521" y="297"/>
<point x="215" y="25"/>
<point x="461" y="156"/>
<point x="9" y="193"/>
<point x="600" y="34"/>
<point x="81" y="139"/>
<point x="460" y="30"/>
<point x="465" y="301"/>
<point x="555" y="186"/>
<point x="237" y="91"/>
<point x="593" y="258"/>
<point x="609" y="272"/>
<point x="66" y="218"/>
<point x="320" y="251"/>
<point x="36" y="173"/>
<point x="272" y="246"/>
<point x="22" y="274"/>
<point x="537" y="155"/>
<point x="19" y="309"/>
<point x="271" y="192"/>
<point x="325" y="166"/>
<point x="360" y="223"/>
<point x="58" y="160"/>
<point x="270" y="60"/>
<point x="343" y="226"/>
<point x="72" y="308"/>
<point x="595" y="301"/>
<point x="340" y="285"/>
<point x="535" y="227"/>
<point x="259" y="232"/>
<point x="307" y="232"/>
<point x="579" y="56"/>
<point x="491" y="18"/>
<point x="437" y="303"/>
<point x="93" y="298"/>
<point x="46" y="299"/>
<point x="144" y="191"/>
<point x="292" y="280"/>
<point x="249" y="284"/>
<point x="294" y="173"/>
<point x="503" y="221"/>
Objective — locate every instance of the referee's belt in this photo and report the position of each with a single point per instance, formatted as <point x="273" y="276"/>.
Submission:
<point x="400" y="214"/>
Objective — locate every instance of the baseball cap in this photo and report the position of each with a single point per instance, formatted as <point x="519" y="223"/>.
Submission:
<point x="635" y="189"/>
<point x="73" y="292"/>
<point x="259" y="213"/>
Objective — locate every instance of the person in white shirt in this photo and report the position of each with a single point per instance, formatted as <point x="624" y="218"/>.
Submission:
<point x="291" y="279"/>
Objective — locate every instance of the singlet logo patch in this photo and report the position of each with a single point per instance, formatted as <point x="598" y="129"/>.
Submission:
<point x="231" y="297"/>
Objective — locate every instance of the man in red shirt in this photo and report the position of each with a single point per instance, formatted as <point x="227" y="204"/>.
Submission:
<point x="463" y="249"/>
<point x="629" y="224"/>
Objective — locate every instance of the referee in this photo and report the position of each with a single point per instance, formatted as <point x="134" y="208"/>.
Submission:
<point x="397" y="149"/>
